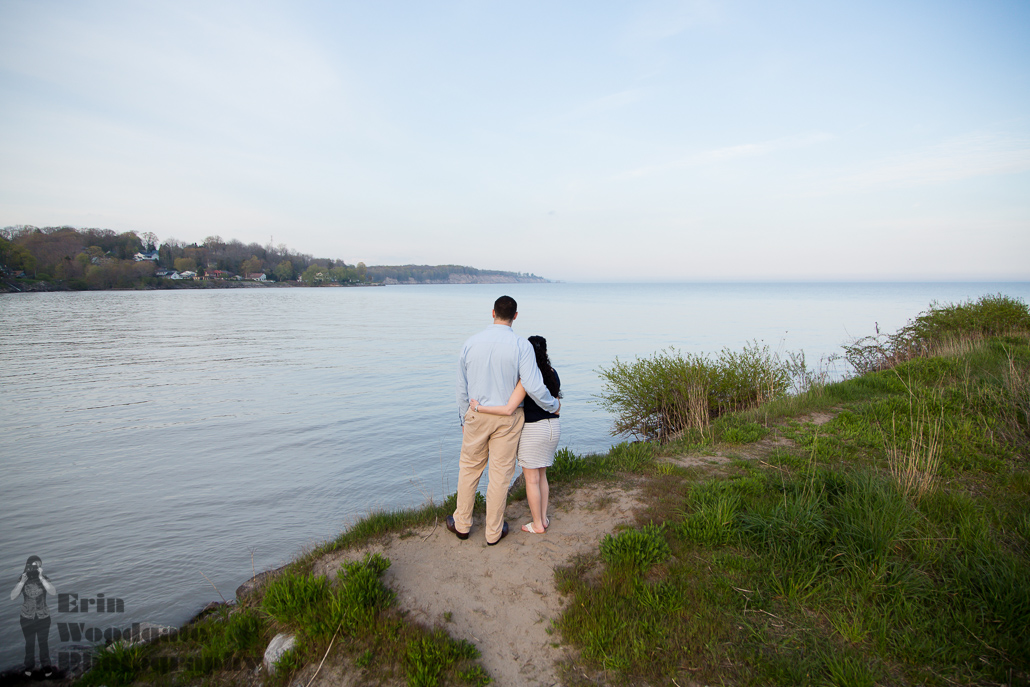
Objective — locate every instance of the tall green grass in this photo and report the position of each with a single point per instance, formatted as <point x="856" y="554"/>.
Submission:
<point x="821" y="561"/>
<point x="890" y="545"/>
<point x="940" y="329"/>
<point x="661" y="396"/>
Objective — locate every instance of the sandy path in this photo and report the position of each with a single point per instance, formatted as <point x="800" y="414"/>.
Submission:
<point x="501" y="598"/>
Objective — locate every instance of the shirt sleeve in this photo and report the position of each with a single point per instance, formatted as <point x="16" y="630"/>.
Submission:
<point x="532" y="380"/>
<point x="462" y="388"/>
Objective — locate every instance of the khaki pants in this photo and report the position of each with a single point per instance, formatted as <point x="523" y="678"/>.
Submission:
<point x="494" y="438"/>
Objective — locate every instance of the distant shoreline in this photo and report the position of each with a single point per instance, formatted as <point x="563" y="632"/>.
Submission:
<point x="21" y="286"/>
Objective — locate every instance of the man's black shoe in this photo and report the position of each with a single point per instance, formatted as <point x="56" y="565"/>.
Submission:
<point x="460" y="535"/>
<point x="504" y="533"/>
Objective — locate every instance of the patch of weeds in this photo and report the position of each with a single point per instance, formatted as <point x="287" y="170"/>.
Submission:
<point x="713" y="507"/>
<point x="630" y="457"/>
<point x="567" y="465"/>
<point x="475" y="676"/>
<point x="290" y="597"/>
<point x="451" y="503"/>
<point x="290" y="662"/>
<point x="660" y="598"/>
<point x="664" y="469"/>
<point x="638" y="549"/>
<point x="241" y="635"/>
<point x="116" y="666"/>
<point x="429" y="657"/>
<point x="365" y="658"/>
<point x="569" y="577"/>
<point x="786" y="459"/>
<point x="380" y="523"/>
<point x="849" y="625"/>
<point x="846" y="670"/>
<point x="745" y="433"/>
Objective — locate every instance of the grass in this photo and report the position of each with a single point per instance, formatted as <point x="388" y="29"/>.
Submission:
<point x="660" y="397"/>
<point x="354" y="614"/>
<point x="887" y="545"/>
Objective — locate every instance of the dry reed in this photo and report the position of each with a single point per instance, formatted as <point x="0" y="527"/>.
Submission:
<point x="914" y="468"/>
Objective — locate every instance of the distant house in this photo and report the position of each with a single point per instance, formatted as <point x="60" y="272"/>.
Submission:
<point x="167" y="274"/>
<point x="220" y="274"/>
<point x="255" y="276"/>
<point x="151" y="256"/>
<point x="188" y="274"/>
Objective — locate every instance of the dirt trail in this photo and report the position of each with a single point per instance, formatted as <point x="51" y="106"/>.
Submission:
<point x="501" y="598"/>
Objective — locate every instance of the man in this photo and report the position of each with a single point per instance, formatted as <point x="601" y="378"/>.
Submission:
<point x="491" y="364"/>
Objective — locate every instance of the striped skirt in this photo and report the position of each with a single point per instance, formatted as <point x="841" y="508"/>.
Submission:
<point x="538" y="443"/>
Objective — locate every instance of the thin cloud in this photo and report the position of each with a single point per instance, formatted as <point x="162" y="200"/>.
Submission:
<point x="744" y="150"/>
<point x="953" y="160"/>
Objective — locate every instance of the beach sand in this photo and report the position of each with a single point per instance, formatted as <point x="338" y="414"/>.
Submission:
<point x="501" y="598"/>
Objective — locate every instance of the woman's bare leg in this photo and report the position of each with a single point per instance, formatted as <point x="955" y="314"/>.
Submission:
<point x="533" y="496"/>
<point x="544" y="492"/>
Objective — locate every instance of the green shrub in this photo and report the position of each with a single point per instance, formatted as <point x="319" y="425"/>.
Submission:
<point x="662" y="396"/>
<point x="657" y="397"/>
<point x="988" y="316"/>
<point x="938" y="328"/>
<point x="567" y="464"/>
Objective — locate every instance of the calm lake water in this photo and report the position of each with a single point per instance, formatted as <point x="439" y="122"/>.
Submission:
<point x="150" y="439"/>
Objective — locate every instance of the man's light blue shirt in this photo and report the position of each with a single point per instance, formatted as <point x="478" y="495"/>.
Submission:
<point x="491" y="363"/>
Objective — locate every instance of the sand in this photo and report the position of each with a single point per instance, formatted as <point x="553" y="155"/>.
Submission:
<point x="501" y="598"/>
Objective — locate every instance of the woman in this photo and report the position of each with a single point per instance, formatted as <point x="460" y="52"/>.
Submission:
<point x="539" y="439"/>
<point x="35" y="616"/>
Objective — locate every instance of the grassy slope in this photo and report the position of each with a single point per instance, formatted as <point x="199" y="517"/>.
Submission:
<point x="802" y="561"/>
<point x="806" y="562"/>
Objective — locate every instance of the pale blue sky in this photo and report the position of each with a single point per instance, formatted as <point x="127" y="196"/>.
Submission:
<point x="583" y="141"/>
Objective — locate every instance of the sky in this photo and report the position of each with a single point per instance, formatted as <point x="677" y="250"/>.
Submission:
<point x="587" y="141"/>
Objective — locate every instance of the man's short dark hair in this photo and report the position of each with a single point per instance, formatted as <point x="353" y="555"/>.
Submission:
<point x="505" y="308"/>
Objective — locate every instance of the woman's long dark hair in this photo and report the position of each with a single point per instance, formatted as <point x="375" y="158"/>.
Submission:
<point x="544" y="363"/>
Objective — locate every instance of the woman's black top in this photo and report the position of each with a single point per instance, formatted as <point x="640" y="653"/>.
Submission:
<point x="535" y="413"/>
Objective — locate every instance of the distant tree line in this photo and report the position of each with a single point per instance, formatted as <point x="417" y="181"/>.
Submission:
<point x="83" y="258"/>
<point x="103" y="259"/>
<point x="100" y="258"/>
<point x="431" y="273"/>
